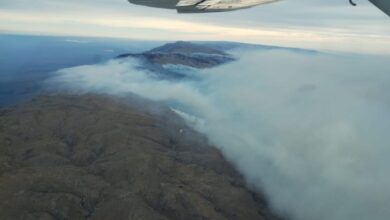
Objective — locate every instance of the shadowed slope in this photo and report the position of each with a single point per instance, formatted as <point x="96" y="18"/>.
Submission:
<point x="90" y="157"/>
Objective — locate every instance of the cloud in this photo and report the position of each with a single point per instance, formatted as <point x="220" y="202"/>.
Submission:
<point x="328" y="25"/>
<point x="310" y="130"/>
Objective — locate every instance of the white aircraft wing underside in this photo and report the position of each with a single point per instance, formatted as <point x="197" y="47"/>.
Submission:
<point x="193" y="6"/>
<point x="184" y="3"/>
<point x="201" y="6"/>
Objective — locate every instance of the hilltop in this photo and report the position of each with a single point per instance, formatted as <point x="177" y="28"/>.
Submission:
<point x="170" y="59"/>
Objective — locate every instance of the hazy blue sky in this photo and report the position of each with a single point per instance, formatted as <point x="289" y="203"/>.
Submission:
<point x="319" y="24"/>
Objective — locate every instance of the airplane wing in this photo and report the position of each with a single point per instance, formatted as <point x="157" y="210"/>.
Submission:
<point x="198" y="6"/>
<point x="384" y="5"/>
<point x="202" y="6"/>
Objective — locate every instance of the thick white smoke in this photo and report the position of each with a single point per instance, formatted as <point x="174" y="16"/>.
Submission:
<point x="310" y="130"/>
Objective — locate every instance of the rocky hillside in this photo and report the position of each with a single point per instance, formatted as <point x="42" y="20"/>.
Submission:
<point x="184" y="47"/>
<point x="183" y="53"/>
<point x="90" y="157"/>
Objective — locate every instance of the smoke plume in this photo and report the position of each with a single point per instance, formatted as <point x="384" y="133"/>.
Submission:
<point x="312" y="131"/>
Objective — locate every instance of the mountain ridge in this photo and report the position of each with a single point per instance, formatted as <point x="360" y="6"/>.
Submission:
<point x="183" y="53"/>
<point x="95" y="157"/>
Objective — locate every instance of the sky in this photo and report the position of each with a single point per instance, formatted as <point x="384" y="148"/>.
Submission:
<point x="331" y="25"/>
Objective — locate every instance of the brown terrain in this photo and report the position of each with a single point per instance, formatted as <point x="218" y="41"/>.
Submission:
<point x="93" y="157"/>
<point x="183" y="53"/>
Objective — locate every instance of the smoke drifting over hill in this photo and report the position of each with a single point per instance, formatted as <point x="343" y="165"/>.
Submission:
<point x="310" y="130"/>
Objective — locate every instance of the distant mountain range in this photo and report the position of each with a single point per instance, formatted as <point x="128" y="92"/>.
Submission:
<point x="173" y="60"/>
<point x="183" y="47"/>
<point x="26" y="61"/>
